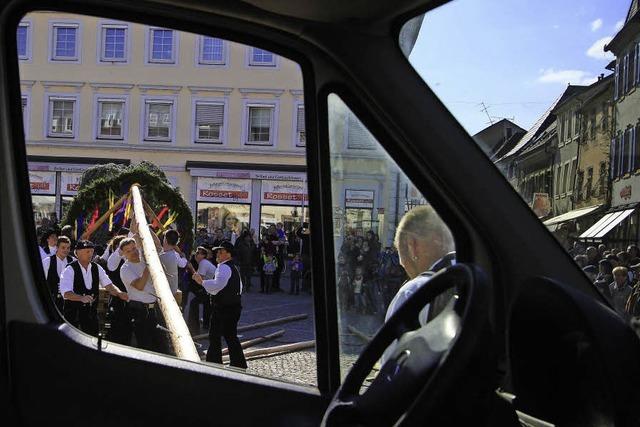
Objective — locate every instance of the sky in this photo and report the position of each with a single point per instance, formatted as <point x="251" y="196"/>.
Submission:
<point x="515" y="56"/>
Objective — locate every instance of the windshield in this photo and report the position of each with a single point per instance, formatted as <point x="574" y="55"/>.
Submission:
<point x="548" y="91"/>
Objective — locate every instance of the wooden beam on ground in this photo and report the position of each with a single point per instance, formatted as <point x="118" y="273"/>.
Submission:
<point x="181" y="341"/>
<point x="364" y="337"/>
<point x="89" y="231"/>
<point x="256" y="341"/>
<point x="277" y="350"/>
<point x="260" y="324"/>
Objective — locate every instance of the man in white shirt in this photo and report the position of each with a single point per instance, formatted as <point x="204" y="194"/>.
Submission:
<point x="225" y="288"/>
<point x="80" y="284"/>
<point x="48" y="244"/>
<point x="142" y="301"/>
<point x="53" y="267"/>
<point x="172" y="258"/>
<point x="207" y="270"/>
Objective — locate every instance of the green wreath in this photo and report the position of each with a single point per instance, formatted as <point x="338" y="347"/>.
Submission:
<point x="100" y="181"/>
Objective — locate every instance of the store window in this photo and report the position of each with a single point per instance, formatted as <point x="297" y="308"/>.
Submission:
<point x="43" y="196"/>
<point x="231" y="218"/>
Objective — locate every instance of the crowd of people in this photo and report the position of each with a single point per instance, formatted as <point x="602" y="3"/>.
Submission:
<point x="368" y="276"/>
<point x="615" y="272"/>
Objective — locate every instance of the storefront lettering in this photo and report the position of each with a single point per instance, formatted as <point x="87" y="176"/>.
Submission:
<point x="625" y="193"/>
<point x="221" y="194"/>
<point x="285" y="196"/>
<point x="73" y="187"/>
<point x="44" y="186"/>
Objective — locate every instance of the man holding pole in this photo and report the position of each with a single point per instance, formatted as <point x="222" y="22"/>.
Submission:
<point x="79" y="286"/>
<point x="225" y="290"/>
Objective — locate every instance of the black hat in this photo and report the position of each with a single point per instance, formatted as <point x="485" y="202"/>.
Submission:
<point x="84" y="244"/>
<point x="226" y="245"/>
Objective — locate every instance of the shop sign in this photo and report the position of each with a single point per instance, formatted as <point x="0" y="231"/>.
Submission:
<point x="249" y="174"/>
<point x="541" y="204"/>
<point x="284" y="193"/>
<point x="224" y="190"/>
<point x="359" y="199"/>
<point x="70" y="183"/>
<point x="625" y="193"/>
<point x="42" y="182"/>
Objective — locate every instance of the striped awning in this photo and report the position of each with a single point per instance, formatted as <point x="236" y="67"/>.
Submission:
<point x="606" y="224"/>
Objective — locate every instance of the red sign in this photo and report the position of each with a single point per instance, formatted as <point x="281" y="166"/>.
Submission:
<point x="40" y="186"/>
<point x="625" y="193"/>
<point x="285" y="196"/>
<point x="73" y="187"/>
<point x="224" y="194"/>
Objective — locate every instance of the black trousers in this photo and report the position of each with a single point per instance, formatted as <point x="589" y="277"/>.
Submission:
<point x="245" y="275"/>
<point x="224" y="323"/>
<point x="193" y="321"/>
<point x="144" y="322"/>
<point x="82" y="316"/>
<point x="120" y="320"/>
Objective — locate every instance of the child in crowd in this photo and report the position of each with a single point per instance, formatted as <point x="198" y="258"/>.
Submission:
<point x="296" y="272"/>
<point x="358" y="291"/>
<point x="269" y="268"/>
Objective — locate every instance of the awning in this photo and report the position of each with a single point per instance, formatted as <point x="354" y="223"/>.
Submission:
<point x="551" y="223"/>
<point x="606" y="224"/>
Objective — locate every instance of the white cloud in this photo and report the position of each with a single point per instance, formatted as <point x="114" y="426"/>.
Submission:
<point x="596" y="25"/>
<point x="597" y="49"/>
<point x="575" y="77"/>
<point x="619" y="25"/>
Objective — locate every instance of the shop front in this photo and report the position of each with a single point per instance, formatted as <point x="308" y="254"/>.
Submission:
<point x="358" y="212"/>
<point x="251" y="198"/>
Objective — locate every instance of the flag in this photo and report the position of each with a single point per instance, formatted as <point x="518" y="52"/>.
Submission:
<point x="94" y="217"/>
<point x="156" y="223"/>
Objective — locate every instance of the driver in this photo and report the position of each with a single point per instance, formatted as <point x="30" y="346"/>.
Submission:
<point x="425" y="245"/>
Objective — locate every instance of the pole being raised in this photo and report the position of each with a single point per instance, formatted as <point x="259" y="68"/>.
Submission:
<point x="181" y="340"/>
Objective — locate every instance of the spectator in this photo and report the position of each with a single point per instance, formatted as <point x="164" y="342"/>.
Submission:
<point x="48" y="243"/>
<point x="620" y="290"/>
<point x="296" y="272"/>
<point x="582" y="261"/>
<point x="243" y="252"/>
<point x="358" y="291"/>
<point x="269" y="268"/>
<point x="592" y="256"/>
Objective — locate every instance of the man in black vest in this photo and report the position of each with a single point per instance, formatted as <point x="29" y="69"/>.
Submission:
<point x="80" y="286"/>
<point x="225" y="288"/>
<point x="53" y="267"/>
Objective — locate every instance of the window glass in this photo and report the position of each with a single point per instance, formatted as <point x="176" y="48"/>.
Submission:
<point x="385" y="232"/>
<point x="61" y="117"/>
<point x="162" y="45"/>
<point x="212" y="151"/>
<point x="111" y="113"/>
<point x="65" y="42"/>
<point x="114" y="43"/>
<point x="212" y="51"/>
<point x="260" y="124"/>
<point x="22" y="40"/>
<point x="571" y="102"/>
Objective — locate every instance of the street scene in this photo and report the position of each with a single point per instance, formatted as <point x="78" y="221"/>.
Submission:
<point x="168" y="170"/>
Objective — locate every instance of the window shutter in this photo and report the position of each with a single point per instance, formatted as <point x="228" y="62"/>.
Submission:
<point x="358" y="136"/>
<point x="632" y="70"/>
<point x="613" y="157"/>
<point x="209" y="114"/>
<point x="630" y="148"/>
<point x="637" y="68"/>
<point x="300" y="120"/>
<point x="617" y="81"/>
<point x="621" y="154"/>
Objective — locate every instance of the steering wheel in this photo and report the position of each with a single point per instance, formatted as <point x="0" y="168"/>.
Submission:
<point x="418" y="380"/>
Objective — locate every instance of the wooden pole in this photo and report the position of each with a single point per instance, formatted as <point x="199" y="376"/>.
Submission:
<point x="280" y="349"/>
<point x="102" y="219"/>
<point x="179" y="333"/>
<point x="256" y="341"/>
<point x="359" y="334"/>
<point x="260" y="324"/>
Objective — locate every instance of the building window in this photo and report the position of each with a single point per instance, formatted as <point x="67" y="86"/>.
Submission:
<point x="631" y="67"/>
<point x="621" y="154"/>
<point x="576" y="123"/>
<point x="212" y="51"/>
<point x="260" y="123"/>
<point x="61" y="112"/>
<point x="565" y="177"/>
<point x="158" y="120"/>
<point x="114" y="43"/>
<point x="579" y="182"/>
<point x="262" y="58"/>
<point x="558" y="179"/>
<point x="602" y="180"/>
<point x="25" y="104"/>
<point x="23" y="37"/>
<point x="631" y="146"/>
<point x="65" y="42"/>
<point x="209" y="122"/>
<point x="569" y="124"/>
<point x="636" y="149"/>
<point x="110" y="118"/>
<point x="614" y="146"/>
<point x="162" y="46"/>
<point x="592" y="128"/>
<point x="588" y="192"/>
<point x="301" y="135"/>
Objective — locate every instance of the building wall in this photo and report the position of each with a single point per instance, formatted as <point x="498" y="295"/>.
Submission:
<point x="566" y="159"/>
<point x="594" y="150"/>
